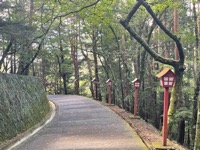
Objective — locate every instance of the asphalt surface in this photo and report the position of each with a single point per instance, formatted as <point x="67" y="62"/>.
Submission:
<point x="81" y="123"/>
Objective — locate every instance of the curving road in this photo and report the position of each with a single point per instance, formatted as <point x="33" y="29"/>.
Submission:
<point x="81" y="123"/>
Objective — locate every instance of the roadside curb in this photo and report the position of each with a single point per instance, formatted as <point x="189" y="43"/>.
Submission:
<point x="14" y="142"/>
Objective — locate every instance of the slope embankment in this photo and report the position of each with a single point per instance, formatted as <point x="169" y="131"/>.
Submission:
<point x="23" y="103"/>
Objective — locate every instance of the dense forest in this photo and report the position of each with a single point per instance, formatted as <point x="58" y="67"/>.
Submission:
<point x="75" y="46"/>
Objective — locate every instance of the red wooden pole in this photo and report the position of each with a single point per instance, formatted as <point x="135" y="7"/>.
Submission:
<point x="165" y="115"/>
<point x="109" y="94"/>
<point x="135" y="101"/>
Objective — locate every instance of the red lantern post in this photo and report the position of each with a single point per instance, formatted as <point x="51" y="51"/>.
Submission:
<point x="109" y="82"/>
<point x="136" y="85"/>
<point x="167" y="78"/>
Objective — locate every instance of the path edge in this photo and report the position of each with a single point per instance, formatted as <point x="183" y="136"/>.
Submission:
<point x="22" y="137"/>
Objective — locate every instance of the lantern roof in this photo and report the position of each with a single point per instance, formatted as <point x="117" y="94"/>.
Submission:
<point x="135" y="80"/>
<point x="109" y="80"/>
<point x="94" y="79"/>
<point x="165" y="71"/>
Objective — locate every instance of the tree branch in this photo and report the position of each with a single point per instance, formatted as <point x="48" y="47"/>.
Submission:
<point x="116" y="38"/>
<point x="159" y="23"/>
<point x="39" y="47"/>
<point x="76" y="11"/>
<point x="125" y="23"/>
<point x="133" y="11"/>
<point x="146" y="46"/>
<point x="5" y="53"/>
<point x="157" y="57"/>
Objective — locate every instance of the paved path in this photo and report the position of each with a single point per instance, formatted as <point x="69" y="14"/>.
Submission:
<point x="81" y="123"/>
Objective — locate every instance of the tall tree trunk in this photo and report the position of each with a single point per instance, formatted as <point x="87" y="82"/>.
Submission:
<point x="43" y="76"/>
<point x="175" y="32"/>
<point x="74" y="48"/>
<point x="121" y="82"/>
<point x="119" y="67"/>
<point x="14" y="59"/>
<point x="96" y="71"/>
<point x="23" y="62"/>
<point x="196" y="67"/>
<point x="126" y="85"/>
<point x="31" y="12"/>
<point x="5" y="52"/>
<point x="197" y="136"/>
<point x="61" y="60"/>
<point x="92" y="85"/>
<point x="64" y="77"/>
<point x="25" y="56"/>
<point x="175" y="101"/>
<point x="181" y="128"/>
<point x="152" y="103"/>
<point x="125" y="61"/>
<point x="165" y="42"/>
<point x="181" y="132"/>
<point x="62" y="74"/>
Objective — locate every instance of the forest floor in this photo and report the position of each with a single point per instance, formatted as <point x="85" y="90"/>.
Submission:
<point x="149" y="134"/>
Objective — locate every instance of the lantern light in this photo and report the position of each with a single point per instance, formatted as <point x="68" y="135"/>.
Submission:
<point x="94" y="80"/>
<point x="136" y="83"/>
<point x="76" y="80"/>
<point x="167" y="77"/>
<point x="109" y="82"/>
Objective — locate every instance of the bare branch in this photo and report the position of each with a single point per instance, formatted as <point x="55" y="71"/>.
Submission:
<point x="133" y="11"/>
<point x="159" y="23"/>
<point x="116" y="38"/>
<point x="125" y="23"/>
<point x="146" y="46"/>
<point x="5" y="53"/>
<point x="63" y="15"/>
<point x="157" y="57"/>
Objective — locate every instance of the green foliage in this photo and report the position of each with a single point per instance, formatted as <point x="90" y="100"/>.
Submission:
<point x="162" y="5"/>
<point x="183" y="113"/>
